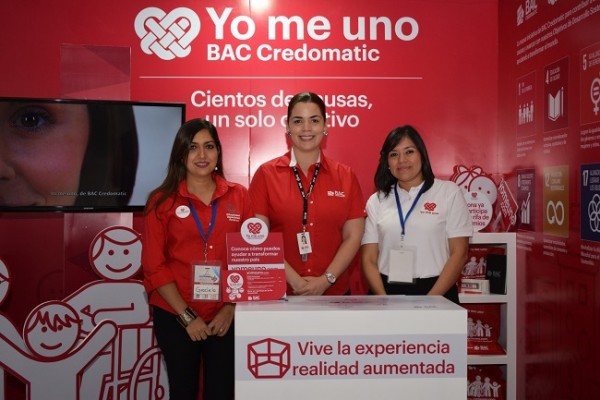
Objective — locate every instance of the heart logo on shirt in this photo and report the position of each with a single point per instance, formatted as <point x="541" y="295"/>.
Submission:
<point x="430" y="206"/>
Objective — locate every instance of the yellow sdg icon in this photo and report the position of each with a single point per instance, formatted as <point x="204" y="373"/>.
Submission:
<point x="555" y="212"/>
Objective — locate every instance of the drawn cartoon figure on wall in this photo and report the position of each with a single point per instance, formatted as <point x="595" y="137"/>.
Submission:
<point x="8" y="329"/>
<point x="115" y="256"/>
<point x="103" y="338"/>
<point x="480" y="192"/>
<point x="53" y="353"/>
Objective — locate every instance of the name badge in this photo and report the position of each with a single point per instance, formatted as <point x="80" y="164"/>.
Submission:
<point x="402" y="265"/>
<point x="206" y="281"/>
<point x="304" y="245"/>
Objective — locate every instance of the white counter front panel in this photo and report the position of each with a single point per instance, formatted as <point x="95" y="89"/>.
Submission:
<point x="351" y="347"/>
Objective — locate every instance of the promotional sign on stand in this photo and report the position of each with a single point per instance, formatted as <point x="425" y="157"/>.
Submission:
<point x="255" y="261"/>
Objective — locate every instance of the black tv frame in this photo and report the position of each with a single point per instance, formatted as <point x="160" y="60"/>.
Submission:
<point x="148" y="141"/>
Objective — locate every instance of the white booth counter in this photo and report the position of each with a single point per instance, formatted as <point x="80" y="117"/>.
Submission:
<point x="351" y="347"/>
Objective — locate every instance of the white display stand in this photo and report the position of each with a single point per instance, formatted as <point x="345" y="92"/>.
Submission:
<point x="507" y="338"/>
<point x="351" y="347"/>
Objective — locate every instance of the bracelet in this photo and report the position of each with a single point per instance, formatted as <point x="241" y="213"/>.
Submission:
<point x="186" y="317"/>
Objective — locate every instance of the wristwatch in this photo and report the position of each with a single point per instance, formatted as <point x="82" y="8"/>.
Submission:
<point x="331" y="278"/>
<point x="186" y="317"/>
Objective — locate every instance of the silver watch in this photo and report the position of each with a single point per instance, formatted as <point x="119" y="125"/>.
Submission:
<point x="331" y="278"/>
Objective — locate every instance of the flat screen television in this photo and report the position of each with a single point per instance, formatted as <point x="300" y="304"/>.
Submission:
<point x="83" y="155"/>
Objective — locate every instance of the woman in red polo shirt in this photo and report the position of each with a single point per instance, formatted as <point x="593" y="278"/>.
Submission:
<point x="316" y="202"/>
<point x="186" y="221"/>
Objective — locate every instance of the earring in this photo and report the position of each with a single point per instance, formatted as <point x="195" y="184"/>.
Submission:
<point x="289" y="133"/>
<point x="325" y="133"/>
<point x="216" y="168"/>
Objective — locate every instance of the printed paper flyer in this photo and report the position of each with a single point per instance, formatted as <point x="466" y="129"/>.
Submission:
<point x="255" y="262"/>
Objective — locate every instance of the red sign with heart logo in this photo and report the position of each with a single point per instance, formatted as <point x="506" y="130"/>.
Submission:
<point x="255" y="266"/>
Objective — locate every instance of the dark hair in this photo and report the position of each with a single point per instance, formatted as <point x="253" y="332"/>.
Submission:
<point x="307" y="97"/>
<point x="176" y="169"/>
<point x="383" y="177"/>
<point x="113" y="132"/>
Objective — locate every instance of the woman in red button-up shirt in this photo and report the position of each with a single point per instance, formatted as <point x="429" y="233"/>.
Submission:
<point x="186" y="220"/>
<point x="316" y="202"/>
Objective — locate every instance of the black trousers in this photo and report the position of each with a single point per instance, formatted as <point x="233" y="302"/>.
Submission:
<point x="184" y="358"/>
<point x="421" y="287"/>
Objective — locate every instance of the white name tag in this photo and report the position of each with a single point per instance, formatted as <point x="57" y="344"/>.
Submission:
<point x="304" y="245"/>
<point x="402" y="265"/>
<point x="206" y="285"/>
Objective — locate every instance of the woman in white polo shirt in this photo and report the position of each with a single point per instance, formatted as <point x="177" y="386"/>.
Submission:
<point x="418" y="227"/>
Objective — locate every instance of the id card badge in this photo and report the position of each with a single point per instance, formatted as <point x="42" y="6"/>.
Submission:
<point x="304" y="245"/>
<point x="402" y="265"/>
<point x="206" y="281"/>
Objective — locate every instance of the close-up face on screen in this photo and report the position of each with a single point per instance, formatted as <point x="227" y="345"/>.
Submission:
<point x="82" y="155"/>
<point x="42" y="146"/>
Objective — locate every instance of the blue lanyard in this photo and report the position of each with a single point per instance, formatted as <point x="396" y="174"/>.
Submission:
<point x="204" y="235"/>
<point x="399" y="206"/>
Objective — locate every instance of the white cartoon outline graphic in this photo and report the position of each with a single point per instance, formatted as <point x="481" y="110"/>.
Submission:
<point x="55" y="360"/>
<point x="8" y="329"/>
<point x="480" y="192"/>
<point x="98" y="342"/>
<point x="134" y="366"/>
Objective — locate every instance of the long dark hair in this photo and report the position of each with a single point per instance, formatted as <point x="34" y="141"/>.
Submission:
<point x="307" y="97"/>
<point x="111" y="157"/>
<point x="383" y="177"/>
<point x="176" y="170"/>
